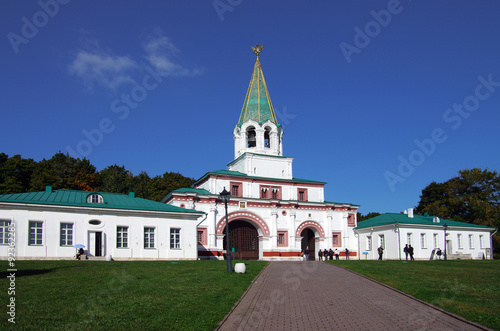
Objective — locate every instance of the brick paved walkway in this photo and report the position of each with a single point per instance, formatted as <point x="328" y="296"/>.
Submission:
<point x="319" y="296"/>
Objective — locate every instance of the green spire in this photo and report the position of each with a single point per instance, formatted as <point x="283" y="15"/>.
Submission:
<point x="257" y="105"/>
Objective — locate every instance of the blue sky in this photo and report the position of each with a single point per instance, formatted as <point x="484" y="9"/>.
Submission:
<point x="377" y="98"/>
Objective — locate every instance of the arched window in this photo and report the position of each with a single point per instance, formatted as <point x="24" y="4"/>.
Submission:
<point x="267" y="140"/>
<point x="251" y="137"/>
<point x="94" y="198"/>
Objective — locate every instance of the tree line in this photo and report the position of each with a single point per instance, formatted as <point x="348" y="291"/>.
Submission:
<point x="18" y="175"/>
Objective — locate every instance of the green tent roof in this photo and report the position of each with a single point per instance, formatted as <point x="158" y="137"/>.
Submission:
<point x="392" y="218"/>
<point x="76" y="198"/>
<point x="257" y="105"/>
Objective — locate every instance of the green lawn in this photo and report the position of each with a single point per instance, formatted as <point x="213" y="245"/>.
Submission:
<point x="184" y="295"/>
<point x="467" y="288"/>
<point x="196" y="295"/>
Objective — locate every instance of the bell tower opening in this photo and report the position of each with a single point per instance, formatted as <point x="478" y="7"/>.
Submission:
<point x="267" y="139"/>
<point x="251" y="137"/>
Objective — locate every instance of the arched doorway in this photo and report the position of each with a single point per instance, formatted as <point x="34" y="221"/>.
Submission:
<point x="244" y="237"/>
<point x="308" y="241"/>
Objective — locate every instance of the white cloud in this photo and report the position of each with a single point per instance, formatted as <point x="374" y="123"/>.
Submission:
<point x="161" y="54"/>
<point x="98" y="67"/>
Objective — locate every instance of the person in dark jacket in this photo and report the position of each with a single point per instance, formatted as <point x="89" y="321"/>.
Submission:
<point x="330" y="253"/>
<point x="320" y="255"/>
<point x="410" y="251"/>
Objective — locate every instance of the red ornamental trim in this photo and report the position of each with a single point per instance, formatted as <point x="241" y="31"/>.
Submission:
<point x="243" y="215"/>
<point x="310" y="224"/>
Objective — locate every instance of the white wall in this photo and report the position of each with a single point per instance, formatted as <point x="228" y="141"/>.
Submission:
<point x="50" y="248"/>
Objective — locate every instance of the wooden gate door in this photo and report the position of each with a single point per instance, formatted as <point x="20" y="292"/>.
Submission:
<point x="309" y="241"/>
<point x="245" y="238"/>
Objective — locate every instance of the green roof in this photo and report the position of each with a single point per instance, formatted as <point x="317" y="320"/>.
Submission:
<point x="240" y="174"/>
<point x="186" y="190"/>
<point x="257" y="105"/>
<point x="392" y="218"/>
<point x="75" y="198"/>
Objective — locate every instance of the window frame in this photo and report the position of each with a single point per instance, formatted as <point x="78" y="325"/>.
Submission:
<point x="4" y="231"/>
<point x="66" y="234"/>
<point x="284" y="236"/>
<point x="121" y="240"/>
<point x="37" y="231"/>
<point x="423" y="241"/>
<point x="149" y="237"/>
<point x="302" y="194"/>
<point x="460" y="241"/>
<point x="175" y="238"/>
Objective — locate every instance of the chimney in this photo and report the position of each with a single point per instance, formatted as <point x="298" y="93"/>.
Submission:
<point x="410" y="212"/>
<point x="131" y="194"/>
<point x="48" y="189"/>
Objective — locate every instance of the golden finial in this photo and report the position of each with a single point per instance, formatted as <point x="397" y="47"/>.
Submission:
<point x="257" y="49"/>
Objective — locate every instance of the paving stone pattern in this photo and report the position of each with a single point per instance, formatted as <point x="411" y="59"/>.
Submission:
<point x="319" y="296"/>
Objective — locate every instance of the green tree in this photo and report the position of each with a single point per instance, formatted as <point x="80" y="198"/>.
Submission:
<point x="116" y="179"/>
<point x="15" y="173"/>
<point x="160" y="186"/>
<point x="64" y="172"/>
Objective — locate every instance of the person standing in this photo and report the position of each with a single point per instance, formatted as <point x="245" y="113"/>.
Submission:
<point x="320" y="255"/>
<point x="336" y="254"/>
<point x="380" y="252"/>
<point x="325" y="254"/>
<point x="438" y="253"/>
<point x="406" y="251"/>
<point x="410" y="251"/>
<point x="306" y="253"/>
<point x="330" y="254"/>
<point x="346" y="254"/>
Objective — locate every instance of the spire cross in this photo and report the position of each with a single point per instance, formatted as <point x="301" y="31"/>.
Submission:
<point x="257" y="49"/>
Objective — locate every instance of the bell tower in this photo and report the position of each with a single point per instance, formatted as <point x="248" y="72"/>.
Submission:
<point x="258" y="133"/>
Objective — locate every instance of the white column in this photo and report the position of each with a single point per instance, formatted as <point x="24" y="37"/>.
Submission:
<point x="273" y="227"/>
<point x="291" y="229"/>
<point x="212" y="221"/>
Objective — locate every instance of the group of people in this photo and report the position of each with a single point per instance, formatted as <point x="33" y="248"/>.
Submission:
<point x="325" y="254"/>
<point x="408" y="251"/>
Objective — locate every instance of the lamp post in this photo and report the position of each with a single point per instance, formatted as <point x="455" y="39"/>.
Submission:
<point x="445" y="226"/>
<point x="225" y="196"/>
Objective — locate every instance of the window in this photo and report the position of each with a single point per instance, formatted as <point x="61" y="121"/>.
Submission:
<point x="202" y="236"/>
<point x="66" y="234"/>
<point x="435" y="240"/>
<point x="302" y="194"/>
<point x="408" y="238"/>
<point x="336" y="239"/>
<point x="4" y="232"/>
<point x="252" y="138"/>
<point x="275" y="193"/>
<point x="35" y="237"/>
<point x="94" y="198"/>
<point x="263" y="192"/>
<point x="471" y="241"/>
<point x="481" y="241"/>
<point x="282" y="238"/>
<point x="350" y="220"/>
<point x="175" y="238"/>
<point x="236" y="189"/>
<point x="423" y="241"/>
<point x="149" y="237"/>
<point x="122" y="237"/>
<point x="369" y="243"/>
<point x="459" y="239"/>
<point x="267" y="141"/>
<point x="381" y="240"/>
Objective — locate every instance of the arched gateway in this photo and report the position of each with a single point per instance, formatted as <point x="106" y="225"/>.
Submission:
<point x="244" y="231"/>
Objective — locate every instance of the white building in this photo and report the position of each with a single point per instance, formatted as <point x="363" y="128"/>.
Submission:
<point x="272" y="215"/>
<point x="425" y="234"/>
<point x="47" y="224"/>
